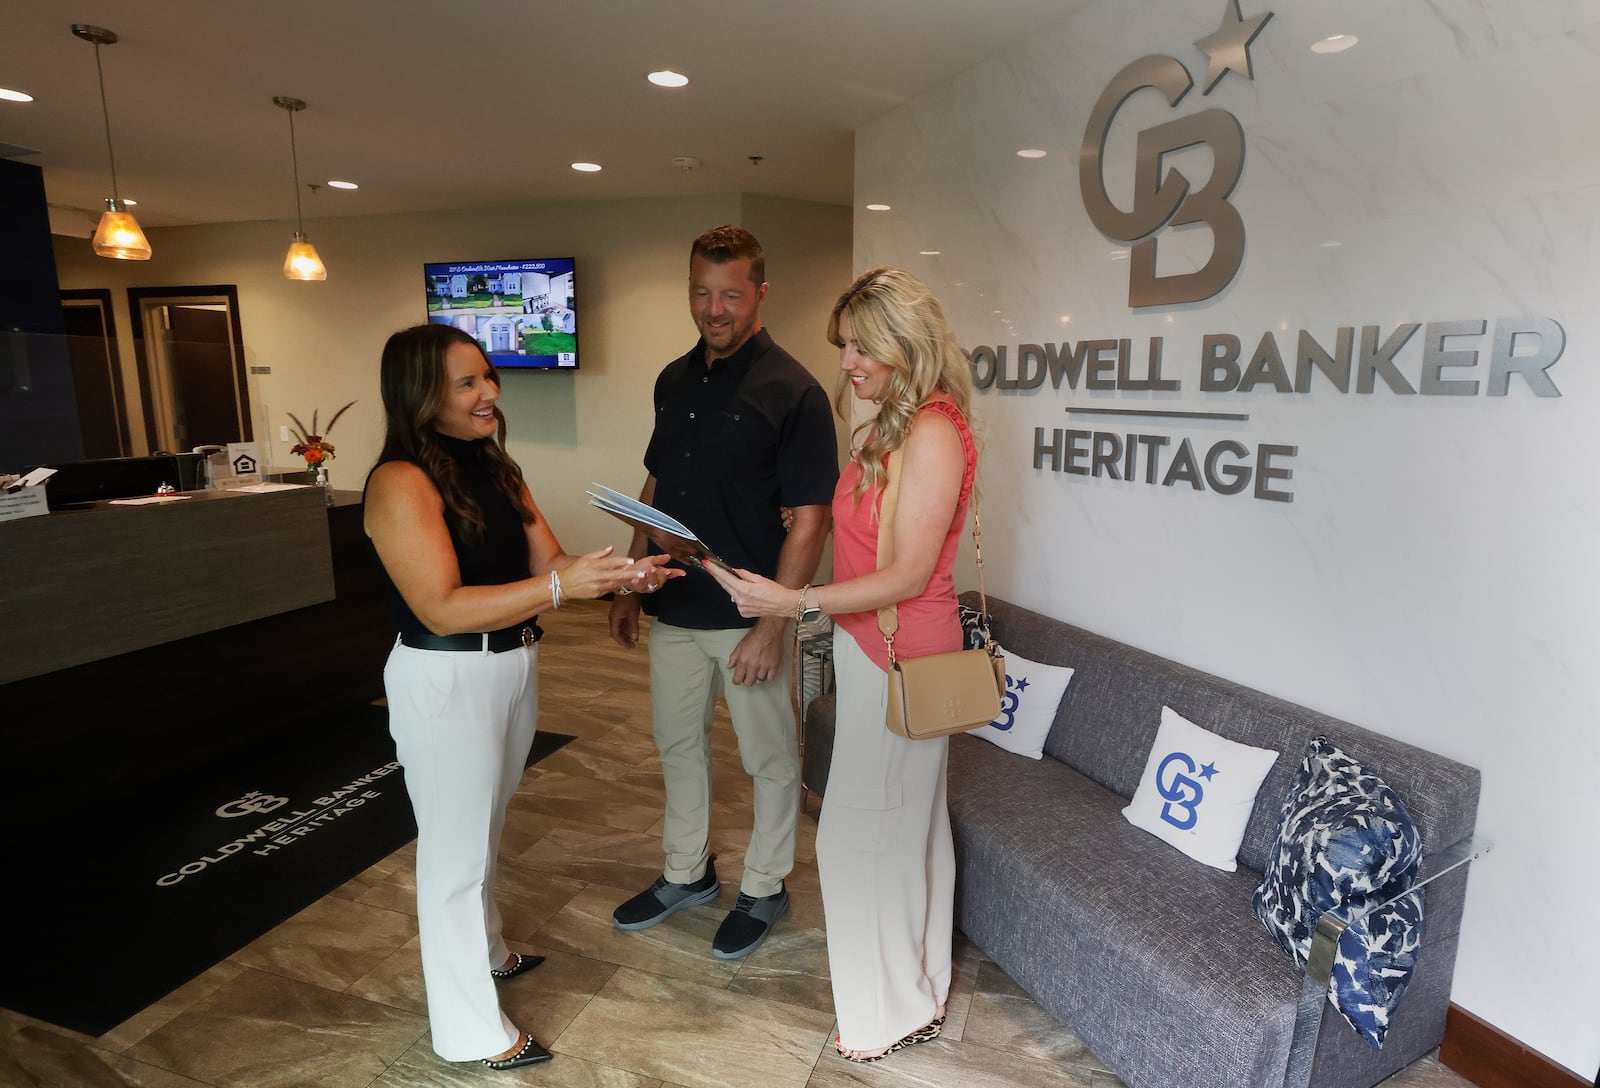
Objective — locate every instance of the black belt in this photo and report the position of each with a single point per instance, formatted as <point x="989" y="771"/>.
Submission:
<point x="507" y="638"/>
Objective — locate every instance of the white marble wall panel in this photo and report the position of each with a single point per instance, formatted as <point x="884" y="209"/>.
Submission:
<point x="1434" y="577"/>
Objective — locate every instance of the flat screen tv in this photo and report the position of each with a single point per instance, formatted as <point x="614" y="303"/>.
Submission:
<point x="522" y="312"/>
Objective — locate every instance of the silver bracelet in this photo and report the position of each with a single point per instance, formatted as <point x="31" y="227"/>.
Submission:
<point x="555" y="589"/>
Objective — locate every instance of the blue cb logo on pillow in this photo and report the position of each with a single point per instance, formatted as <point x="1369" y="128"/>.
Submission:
<point x="1009" y="704"/>
<point x="1182" y="793"/>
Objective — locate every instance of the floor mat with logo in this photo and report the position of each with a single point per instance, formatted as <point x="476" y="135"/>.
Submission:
<point x="104" y="912"/>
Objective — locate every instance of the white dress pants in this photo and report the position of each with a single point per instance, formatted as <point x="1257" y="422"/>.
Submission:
<point x="887" y="864"/>
<point x="462" y="723"/>
<point x="688" y="669"/>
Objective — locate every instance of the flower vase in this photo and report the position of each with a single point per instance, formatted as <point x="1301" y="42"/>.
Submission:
<point x="326" y="484"/>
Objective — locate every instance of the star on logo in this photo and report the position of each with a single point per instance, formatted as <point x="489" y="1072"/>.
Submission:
<point x="1208" y="770"/>
<point x="1228" y="48"/>
<point x="1022" y="685"/>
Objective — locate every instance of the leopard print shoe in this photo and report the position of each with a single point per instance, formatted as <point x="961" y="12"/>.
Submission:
<point x="924" y="1034"/>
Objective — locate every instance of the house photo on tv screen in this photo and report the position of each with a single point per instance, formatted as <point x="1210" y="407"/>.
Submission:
<point x="522" y="312"/>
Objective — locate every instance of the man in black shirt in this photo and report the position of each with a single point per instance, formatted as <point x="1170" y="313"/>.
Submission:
<point x="741" y="431"/>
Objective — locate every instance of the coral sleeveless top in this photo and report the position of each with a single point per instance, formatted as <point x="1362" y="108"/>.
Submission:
<point x="928" y="622"/>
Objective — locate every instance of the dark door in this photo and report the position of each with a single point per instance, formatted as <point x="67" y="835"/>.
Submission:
<point x="189" y="355"/>
<point x="204" y="406"/>
<point x="96" y="376"/>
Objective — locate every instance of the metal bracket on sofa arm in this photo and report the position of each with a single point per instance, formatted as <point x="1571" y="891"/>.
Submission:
<point x="1325" y="939"/>
<point x="1324" y="944"/>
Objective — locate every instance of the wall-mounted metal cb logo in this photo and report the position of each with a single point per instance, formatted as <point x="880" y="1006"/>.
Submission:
<point x="1161" y="199"/>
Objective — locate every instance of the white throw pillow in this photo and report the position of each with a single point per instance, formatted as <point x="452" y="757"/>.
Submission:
<point x="1198" y="789"/>
<point x="1033" y="693"/>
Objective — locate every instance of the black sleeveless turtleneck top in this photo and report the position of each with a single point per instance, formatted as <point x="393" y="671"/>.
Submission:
<point x="500" y="557"/>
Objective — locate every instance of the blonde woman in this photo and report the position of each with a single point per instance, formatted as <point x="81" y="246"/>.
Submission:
<point x="883" y="841"/>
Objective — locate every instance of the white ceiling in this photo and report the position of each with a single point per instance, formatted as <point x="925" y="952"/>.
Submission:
<point x="436" y="105"/>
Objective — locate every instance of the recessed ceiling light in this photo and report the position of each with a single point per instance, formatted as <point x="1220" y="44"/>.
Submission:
<point x="929" y="252"/>
<point x="343" y="185"/>
<point x="129" y="201"/>
<point x="9" y="95"/>
<point x="586" y="167"/>
<point x="877" y="207"/>
<point x="1032" y="153"/>
<point x="668" y="78"/>
<point x="1065" y="319"/>
<point x="1335" y="43"/>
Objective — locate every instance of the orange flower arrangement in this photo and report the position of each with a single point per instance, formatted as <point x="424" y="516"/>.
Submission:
<point x="315" y="448"/>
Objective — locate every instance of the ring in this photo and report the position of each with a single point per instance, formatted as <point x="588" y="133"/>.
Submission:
<point x="623" y="591"/>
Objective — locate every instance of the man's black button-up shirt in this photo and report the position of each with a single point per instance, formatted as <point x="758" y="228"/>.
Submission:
<point x="732" y="443"/>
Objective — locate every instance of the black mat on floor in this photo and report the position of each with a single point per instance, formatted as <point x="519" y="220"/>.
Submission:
<point x="106" y="910"/>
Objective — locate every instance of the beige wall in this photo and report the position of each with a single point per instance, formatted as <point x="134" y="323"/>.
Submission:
<point x="807" y="276"/>
<point x="322" y="340"/>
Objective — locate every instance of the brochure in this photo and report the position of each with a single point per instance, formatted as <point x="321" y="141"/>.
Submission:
<point x="666" y="532"/>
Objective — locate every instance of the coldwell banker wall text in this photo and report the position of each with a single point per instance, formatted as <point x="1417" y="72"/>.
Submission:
<point x="1286" y="368"/>
<point x="1363" y="362"/>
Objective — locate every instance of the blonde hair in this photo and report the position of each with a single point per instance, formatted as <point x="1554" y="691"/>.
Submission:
<point x="897" y="322"/>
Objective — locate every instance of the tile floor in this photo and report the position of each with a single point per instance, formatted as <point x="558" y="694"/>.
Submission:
<point x="333" y="997"/>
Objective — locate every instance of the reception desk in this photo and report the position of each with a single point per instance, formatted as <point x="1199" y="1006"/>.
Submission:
<point x="145" y="641"/>
<point x="84" y="585"/>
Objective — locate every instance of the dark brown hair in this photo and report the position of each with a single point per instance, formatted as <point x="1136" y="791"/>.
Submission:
<point x="719" y="245"/>
<point x="414" y="380"/>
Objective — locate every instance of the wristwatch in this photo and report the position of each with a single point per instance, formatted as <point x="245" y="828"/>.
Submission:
<point x="803" y="613"/>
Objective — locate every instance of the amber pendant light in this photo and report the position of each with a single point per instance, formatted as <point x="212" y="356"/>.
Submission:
<point x="302" y="262"/>
<point x="118" y="235"/>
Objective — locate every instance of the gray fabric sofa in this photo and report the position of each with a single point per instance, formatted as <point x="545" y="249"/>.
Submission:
<point x="1156" y="961"/>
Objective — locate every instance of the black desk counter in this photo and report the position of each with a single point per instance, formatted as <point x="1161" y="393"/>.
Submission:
<point x="149" y="640"/>
<point x="83" y="585"/>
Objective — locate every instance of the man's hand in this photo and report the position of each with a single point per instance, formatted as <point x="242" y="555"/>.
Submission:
<point x="757" y="657"/>
<point x="624" y="620"/>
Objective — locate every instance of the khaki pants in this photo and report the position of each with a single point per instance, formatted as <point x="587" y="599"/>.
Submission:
<point x="887" y="862"/>
<point x="688" y="670"/>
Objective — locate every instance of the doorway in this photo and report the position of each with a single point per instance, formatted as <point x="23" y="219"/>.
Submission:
<point x="190" y="355"/>
<point x="91" y="331"/>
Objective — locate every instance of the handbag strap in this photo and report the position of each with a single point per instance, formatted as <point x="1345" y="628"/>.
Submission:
<point x="889" y="615"/>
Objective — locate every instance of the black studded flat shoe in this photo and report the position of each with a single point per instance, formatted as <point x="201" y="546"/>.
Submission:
<point x="522" y="965"/>
<point x="531" y="1053"/>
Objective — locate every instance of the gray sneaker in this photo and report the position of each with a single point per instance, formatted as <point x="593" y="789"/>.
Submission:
<point x="663" y="899"/>
<point x="748" y="924"/>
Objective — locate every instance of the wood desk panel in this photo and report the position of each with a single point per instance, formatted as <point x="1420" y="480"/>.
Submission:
<point x="80" y="586"/>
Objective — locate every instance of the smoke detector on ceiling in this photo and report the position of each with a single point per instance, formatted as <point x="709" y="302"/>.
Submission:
<point x="686" y="163"/>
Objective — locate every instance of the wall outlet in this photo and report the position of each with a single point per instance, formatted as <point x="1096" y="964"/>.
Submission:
<point x="283" y="433"/>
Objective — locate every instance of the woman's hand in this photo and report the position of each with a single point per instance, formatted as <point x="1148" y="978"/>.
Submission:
<point x="649" y="574"/>
<point x="594" y="574"/>
<point x="755" y="595"/>
<point x="598" y="573"/>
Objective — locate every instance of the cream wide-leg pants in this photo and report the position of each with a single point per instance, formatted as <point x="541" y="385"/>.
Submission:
<point x="462" y="723"/>
<point x="688" y="669"/>
<point x="887" y="863"/>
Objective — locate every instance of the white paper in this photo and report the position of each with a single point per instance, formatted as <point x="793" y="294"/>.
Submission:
<point x="147" y="500"/>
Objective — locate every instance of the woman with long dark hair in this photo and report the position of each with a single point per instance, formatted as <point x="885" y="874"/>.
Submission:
<point x="883" y="841"/>
<point x="471" y="564"/>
